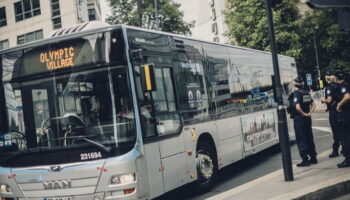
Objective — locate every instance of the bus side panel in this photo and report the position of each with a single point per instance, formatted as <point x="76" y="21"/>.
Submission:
<point x="173" y="162"/>
<point x="174" y="171"/>
<point x="230" y="141"/>
<point x="190" y="149"/>
<point x="154" y="165"/>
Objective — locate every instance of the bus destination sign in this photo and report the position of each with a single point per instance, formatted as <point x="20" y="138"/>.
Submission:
<point x="57" y="59"/>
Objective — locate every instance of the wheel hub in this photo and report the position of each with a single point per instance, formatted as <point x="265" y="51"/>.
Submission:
<point x="205" y="165"/>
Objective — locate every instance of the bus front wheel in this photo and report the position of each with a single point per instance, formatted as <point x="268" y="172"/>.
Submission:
<point x="207" y="168"/>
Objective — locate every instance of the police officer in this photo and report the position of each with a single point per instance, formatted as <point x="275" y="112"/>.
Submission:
<point x="303" y="107"/>
<point x="343" y="116"/>
<point x="331" y="101"/>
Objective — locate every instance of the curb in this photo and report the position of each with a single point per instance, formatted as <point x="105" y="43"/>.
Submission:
<point x="330" y="192"/>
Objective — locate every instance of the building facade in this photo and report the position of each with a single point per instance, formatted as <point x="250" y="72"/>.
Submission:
<point x="23" y="21"/>
<point x="210" y="19"/>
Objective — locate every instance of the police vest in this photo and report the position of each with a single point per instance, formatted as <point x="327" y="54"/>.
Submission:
<point x="303" y="98"/>
<point x="332" y="90"/>
<point x="342" y="90"/>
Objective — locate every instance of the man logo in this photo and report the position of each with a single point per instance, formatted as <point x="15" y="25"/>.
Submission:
<point x="56" y="168"/>
<point x="56" y="185"/>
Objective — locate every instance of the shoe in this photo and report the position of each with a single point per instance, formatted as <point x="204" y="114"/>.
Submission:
<point x="334" y="154"/>
<point x="345" y="163"/>
<point x="303" y="163"/>
<point x="313" y="160"/>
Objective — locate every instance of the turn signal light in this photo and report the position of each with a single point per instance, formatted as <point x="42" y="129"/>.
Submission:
<point x="129" y="191"/>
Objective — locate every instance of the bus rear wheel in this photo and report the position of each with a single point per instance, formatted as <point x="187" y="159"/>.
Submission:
<point x="207" y="169"/>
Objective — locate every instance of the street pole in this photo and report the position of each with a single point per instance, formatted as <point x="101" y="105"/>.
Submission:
<point x="139" y="11"/>
<point x="156" y="13"/>
<point x="281" y="111"/>
<point x="317" y="63"/>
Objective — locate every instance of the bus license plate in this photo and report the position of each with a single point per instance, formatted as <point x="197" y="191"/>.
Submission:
<point x="58" y="198"/>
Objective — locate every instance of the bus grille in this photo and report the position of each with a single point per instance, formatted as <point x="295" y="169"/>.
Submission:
<point x="56" y="188"/>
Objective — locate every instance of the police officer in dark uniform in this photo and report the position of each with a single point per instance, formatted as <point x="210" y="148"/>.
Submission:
<point x="331" y="92"/>
<point x="303" y="107"/>
<point x="343" y="116"/>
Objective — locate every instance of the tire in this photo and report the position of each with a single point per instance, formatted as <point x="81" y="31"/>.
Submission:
<point x="207" y="168"/>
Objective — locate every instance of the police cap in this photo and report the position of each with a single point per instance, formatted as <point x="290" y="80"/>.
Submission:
<point x="298" y="81"/>
<point x="339" y="74"/>
<point x="329" y="73"/>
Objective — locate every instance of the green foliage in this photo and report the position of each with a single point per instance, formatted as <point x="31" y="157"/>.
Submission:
<point x="247" y="24"/>
<point x="170" y="17"/>
<point x="333" y="46"/>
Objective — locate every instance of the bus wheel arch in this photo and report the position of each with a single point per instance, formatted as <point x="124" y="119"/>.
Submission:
<point x="206" y="163"/>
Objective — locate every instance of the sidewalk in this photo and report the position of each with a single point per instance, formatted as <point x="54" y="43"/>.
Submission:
<point x="323" y="181"/>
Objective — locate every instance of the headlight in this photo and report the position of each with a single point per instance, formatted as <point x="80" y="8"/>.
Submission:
<point x="123" y="179"/>
<point x="5" y="189"/>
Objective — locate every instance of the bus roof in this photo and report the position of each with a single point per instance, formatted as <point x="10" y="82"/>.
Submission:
<point x="58" y="38"/>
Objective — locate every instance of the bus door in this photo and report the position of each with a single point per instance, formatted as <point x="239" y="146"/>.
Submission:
<point x="161" y="129"/>
<point x="39" y="105"/>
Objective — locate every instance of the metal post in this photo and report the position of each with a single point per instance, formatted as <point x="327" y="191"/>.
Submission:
<point x="156" y="13"/>
<point x="281" y="111"/>
<point x="317" y="63"/>
<point x="139" y="11"/>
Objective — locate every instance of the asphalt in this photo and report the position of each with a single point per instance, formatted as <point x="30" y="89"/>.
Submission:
<point x="322" y="181"/>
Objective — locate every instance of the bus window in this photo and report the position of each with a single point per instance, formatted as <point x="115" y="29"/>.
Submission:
<point x="168" y="121"/>
<point x="218" y="80"/>
<point x="190" y="81"/>
<point x="70" y="111"/>
<point x="158" y="109"/>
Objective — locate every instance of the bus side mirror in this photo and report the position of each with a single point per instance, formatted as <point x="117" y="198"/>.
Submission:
<point x="136" y="55"/>
<point x="148" y="80"/>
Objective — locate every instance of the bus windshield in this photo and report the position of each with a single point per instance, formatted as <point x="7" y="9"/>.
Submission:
<point x="69" y="111"/>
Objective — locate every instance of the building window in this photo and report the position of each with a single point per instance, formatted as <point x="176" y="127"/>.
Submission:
<point x="213" y="14"/>
<point x="214" y="28"/>
<point x="4" y="44"/>
<point x="56" y="14"/>
<point x="26" y="9"/>
<point x="3" y="17"/>
<point x="56" y="22"/>
<point x="28" y="37"/>
<point x="216" y="39"/>
<point x="92" y="14"/>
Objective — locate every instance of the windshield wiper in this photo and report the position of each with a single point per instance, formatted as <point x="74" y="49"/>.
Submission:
<point x="85" y="138"/>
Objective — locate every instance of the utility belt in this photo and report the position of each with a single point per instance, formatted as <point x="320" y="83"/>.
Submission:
<point x="343" y="118"/>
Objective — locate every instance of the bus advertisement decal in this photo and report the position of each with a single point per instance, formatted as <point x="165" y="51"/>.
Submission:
<point x="258" y="129"/>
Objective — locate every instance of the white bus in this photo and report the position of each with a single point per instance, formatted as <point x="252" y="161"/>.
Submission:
<point x="118" y="112"/>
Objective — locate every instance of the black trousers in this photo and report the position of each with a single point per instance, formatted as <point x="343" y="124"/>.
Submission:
<point x="304" y="136"/>
<point x="344" y="130"/>
<point x="335" y="129"/>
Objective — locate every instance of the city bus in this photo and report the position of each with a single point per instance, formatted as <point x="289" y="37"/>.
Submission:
<point x="100" y="111"/>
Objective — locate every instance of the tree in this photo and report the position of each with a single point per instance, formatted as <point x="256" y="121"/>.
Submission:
<point x="333" y="46"/>
<point x="170" y="17"/>
<point x="247" y="25"/>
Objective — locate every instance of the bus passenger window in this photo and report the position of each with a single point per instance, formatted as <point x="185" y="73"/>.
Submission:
<point x="167" y="120"/>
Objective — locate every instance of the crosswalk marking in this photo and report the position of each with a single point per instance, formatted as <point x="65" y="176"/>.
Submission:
<point x="324" y="129"/>
<point x="320" y="119"/>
